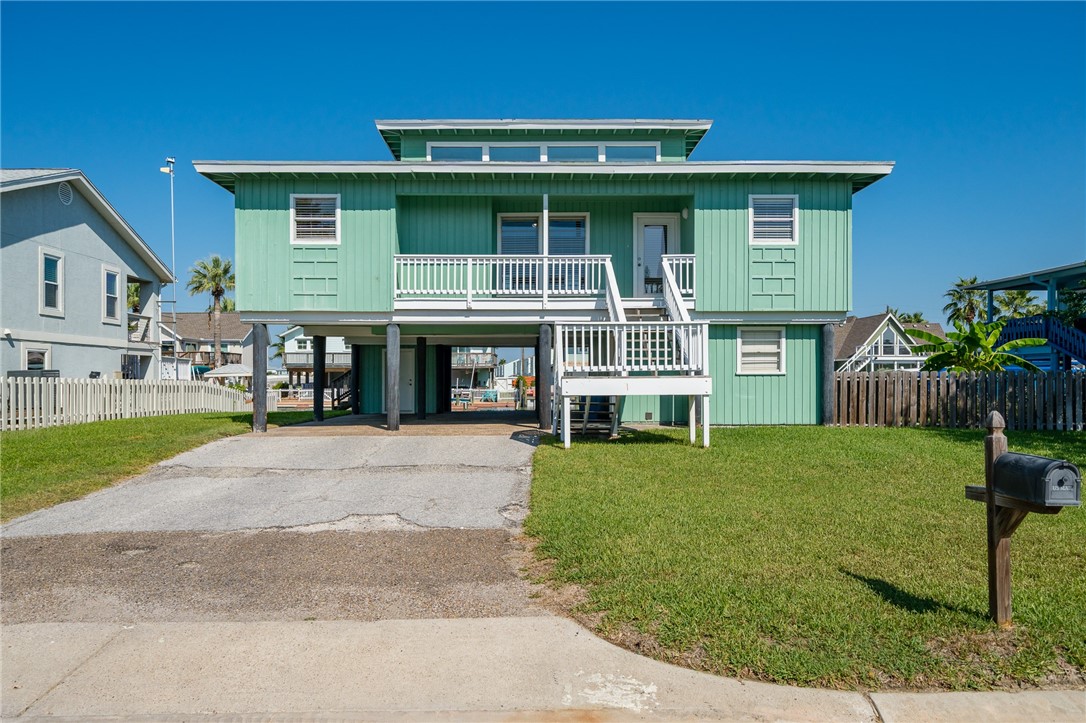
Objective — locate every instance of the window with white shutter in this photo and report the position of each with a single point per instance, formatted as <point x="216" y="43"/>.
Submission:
<point x="314" y="219"/>
<point x="774" y="220"/>
<point x="761" y="351"/>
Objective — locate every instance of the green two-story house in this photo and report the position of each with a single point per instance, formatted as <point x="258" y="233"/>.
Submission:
<point x="643" y="278"/>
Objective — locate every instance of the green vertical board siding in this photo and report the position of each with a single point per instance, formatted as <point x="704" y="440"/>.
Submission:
<point x="314" y="282"/>
<point x="664" y="410"/>
<point x="726" y="261"/>
<point x="445" y="225"/>
<point x="372" y="379"/>
<point x="773" y="278"/>
<point x="265" y="259"/>
<point x="791" y="398"/>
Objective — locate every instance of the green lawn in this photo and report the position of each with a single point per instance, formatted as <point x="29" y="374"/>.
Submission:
<point x="43" y="467"/>
<point x="816" y="556"/>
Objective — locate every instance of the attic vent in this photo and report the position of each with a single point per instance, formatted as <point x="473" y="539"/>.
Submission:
<point x="64" y="190"/>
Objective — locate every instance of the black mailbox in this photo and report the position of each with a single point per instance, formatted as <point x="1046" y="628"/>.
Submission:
<point x="1039" y="480"/>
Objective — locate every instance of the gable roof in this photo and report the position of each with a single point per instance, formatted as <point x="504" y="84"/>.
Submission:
<point x="856" y="332"/>
<point x="392" y="130"/>
<point x="198" y="325"/>
<point x="12" y="179"/>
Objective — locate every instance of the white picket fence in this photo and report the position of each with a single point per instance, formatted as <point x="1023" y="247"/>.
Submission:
<point x="34" y="402"/>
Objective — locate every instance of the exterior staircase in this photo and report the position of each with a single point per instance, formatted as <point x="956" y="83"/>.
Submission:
<point x="1066" y="340"/>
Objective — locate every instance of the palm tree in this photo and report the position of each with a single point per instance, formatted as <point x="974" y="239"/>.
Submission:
<point x="279" y="348"/>
<point x="213" y="276"/>
<point x="966" y="305"/>
<point x="134" y="298"/>
<point x="906" y="317"/>
<point x="1016" y="304"/>
<point x="227" y="305"/>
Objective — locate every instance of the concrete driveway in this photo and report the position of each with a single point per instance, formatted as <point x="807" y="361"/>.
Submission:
<point x="307" y="482"/>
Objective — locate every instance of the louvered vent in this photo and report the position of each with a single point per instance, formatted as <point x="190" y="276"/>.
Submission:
<point x="315" y="218"/>
<point x="64" y="190"/>
<point x="774" y="218"/>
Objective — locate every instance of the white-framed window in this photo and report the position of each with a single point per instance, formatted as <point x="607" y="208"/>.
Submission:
<point x="550" y="152"/>
<point x="111" y="295"/>
<point x="519" y="233"/>
<point x="303" y="343"/>
<point x="51" y="282"/>
<point x="774" y="219"/>
<point x="761" y="350"/>
<point x="314" y="218"/>
<point x="37" y="357"/>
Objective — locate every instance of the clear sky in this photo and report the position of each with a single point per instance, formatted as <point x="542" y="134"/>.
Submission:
<point x="981" y="105"/>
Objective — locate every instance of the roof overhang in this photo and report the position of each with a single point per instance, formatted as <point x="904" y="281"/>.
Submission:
<point x="393" y="130"/>
<point x="860" y="173"/>
<point x="100" y="204"/>
<point x="1062" y="276"/>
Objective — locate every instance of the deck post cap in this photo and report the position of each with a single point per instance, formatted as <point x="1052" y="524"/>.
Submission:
<point x="995" y="422"/>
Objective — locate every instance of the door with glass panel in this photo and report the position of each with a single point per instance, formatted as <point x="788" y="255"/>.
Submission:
<point x="654" y="236"/>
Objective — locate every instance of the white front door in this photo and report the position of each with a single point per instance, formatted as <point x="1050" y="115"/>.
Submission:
<point x="407" y="381"/>
<point x="654" y="236"/>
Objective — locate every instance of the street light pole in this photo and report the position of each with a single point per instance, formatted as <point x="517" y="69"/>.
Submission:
<point x="168" y="168"/>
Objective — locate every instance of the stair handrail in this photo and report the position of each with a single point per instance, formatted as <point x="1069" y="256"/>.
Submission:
<point x="673" y="297"/>
<point x="1063" y="337"/>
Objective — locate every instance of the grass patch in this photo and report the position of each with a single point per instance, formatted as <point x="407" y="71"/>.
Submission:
<point x="44" y="467"/>
<point x="814" y="556"/>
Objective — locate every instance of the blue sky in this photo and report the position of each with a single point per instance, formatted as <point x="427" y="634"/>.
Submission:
<point x="981" y="105"/>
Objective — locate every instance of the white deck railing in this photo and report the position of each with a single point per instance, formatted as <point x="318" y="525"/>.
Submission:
<point x="471" y="277"/>
<point x="682" y="267"/>
<point x="616" y="348"/>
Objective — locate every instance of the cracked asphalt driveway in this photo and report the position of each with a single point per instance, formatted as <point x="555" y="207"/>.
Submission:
<point x="286" y="527"/>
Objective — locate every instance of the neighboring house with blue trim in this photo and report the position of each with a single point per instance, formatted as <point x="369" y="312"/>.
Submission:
<point x="642" y="277"/>
<point x="66" y="260"/>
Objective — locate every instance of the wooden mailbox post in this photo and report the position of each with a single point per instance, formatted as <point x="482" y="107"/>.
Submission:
<point x="1006" y="512"/>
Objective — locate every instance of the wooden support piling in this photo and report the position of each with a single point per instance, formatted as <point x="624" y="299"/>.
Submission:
<point x="319" y="346"/>
<point x="392" y="380"/>
<point x="260" y="377"/>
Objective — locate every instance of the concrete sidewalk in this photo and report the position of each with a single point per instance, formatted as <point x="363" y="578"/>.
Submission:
<point x="534" y="668"/>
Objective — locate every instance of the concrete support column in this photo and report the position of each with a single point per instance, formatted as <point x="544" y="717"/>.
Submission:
<point x="392" y="376"/>
<point x="828" y="387"/>
<point x="356" y="377"/>
<point x="420" y="377"/>
<point x="260" y="377"/>
<point x="544" y="375"/>
<point x="319" y="346"/>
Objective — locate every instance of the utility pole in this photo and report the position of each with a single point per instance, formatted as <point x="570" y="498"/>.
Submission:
<point x="168" y="168"/>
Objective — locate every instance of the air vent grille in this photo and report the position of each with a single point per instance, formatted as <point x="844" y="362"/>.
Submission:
<point x="65" y="193"/>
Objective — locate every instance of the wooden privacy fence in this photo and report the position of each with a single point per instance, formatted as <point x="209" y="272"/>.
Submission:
<point x="1052" y="401"/>
<point x="32" y="402"/>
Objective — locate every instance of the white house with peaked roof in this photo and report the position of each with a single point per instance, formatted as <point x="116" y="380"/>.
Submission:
<point x="67" y="258"/>
<point x="879" y="343"/>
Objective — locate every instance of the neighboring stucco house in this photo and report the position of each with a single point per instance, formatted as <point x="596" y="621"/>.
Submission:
<point x="640" y="276"/>
<point x="879" y="343"/>
<point x="66" y="260"/>
<point x="195" y="339"/>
